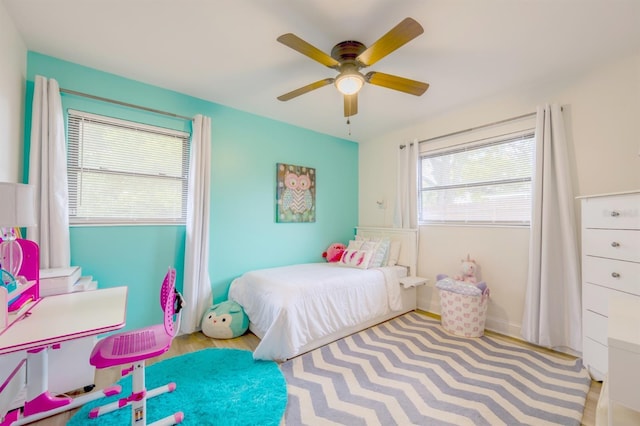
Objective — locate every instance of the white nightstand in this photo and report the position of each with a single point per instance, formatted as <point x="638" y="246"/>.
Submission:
<point x="412" y="281"/>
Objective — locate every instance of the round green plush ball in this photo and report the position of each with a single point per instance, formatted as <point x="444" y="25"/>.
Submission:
<point x="225" y="320"/>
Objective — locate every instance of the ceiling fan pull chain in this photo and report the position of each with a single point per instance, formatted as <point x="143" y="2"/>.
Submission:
<point x="349" y="124"/>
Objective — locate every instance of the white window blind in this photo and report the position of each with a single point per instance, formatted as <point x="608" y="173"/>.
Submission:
<point x="124" y="172"/>
<point x="479" y="183"/>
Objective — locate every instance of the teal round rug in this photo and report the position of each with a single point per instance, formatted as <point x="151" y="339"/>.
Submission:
<point x="213" y="387"/>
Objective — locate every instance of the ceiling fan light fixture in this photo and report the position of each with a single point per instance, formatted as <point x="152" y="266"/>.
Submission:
<point x="349" y="83"/>
<point x="350" y="56"/>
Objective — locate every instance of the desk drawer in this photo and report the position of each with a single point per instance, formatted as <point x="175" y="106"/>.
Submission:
<point x="615" y="274"/>
<point x="612" y="243"/>
<point x="614" y="212"/>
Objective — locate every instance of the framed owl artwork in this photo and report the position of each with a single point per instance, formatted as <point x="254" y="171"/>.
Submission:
<point x="295" y="193"/>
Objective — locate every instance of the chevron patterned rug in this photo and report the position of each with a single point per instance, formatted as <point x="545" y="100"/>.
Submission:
<point x="409" y="371"/>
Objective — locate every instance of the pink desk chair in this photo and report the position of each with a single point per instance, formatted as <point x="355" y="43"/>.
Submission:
<point x="136" y="346"/>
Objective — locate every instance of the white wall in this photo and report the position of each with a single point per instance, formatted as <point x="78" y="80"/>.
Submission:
<point x="602" y="111"/>
<point x="13" y="72"/>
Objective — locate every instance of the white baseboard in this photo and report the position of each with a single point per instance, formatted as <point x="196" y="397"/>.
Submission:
<point x="432" y="305"/>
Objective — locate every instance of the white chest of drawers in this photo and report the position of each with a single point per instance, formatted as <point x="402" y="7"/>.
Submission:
<point x="610" y="265"/>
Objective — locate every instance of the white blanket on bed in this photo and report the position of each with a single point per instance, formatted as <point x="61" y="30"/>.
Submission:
<point x="291" y="306"/>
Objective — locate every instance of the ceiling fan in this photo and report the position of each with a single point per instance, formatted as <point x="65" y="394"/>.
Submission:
<point x="349" y="57"/>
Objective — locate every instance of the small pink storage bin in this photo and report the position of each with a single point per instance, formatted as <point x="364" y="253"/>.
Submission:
<point x="463" y="314"/>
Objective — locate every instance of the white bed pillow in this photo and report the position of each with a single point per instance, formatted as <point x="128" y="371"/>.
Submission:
<point x="372" y="246"/>
<point x="378" y="245"/>
<point x="394" y="253"/>
<point x="381" y="251"/>
<point x="356" y="258"/>
<point x="369" y="245"/>
<point x="355" y="244"/>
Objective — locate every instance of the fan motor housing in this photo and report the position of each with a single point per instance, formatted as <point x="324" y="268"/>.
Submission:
<point x="347" y="51"/>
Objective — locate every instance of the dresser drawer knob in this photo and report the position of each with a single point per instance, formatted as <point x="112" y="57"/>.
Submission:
<point x="615" y="244"/>
<point x="615" y="213"/>
<point x="615" y="275"/>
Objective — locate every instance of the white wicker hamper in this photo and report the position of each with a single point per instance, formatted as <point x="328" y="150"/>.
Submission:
<point x="463" y="314"/>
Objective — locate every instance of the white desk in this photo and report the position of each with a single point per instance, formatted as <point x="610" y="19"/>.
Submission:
<point x="624" y="353"/>
<point x="51" y="321"/>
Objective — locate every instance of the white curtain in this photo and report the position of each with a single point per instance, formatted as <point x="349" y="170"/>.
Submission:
<point x="48" y="174"/>
<point x="552" y="313"/>
<point x="406" y="209"/>
<point x="197" y="286"/>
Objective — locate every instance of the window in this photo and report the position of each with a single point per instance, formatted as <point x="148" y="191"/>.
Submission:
<point x="479" y="183"/>
<point x="124" y="172"/>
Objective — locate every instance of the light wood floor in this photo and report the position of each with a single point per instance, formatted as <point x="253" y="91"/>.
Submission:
<point x="197" y="341"/>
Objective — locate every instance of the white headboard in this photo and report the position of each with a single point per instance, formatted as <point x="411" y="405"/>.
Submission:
<point x="408" y="239"/>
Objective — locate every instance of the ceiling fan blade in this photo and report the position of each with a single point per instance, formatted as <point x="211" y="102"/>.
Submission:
<point x="350" y="105"/>
<point x="398" y="36"/>
<point x="394" y="82"/>
<point x="305" y="89"/>
<point x="298" y="44"/>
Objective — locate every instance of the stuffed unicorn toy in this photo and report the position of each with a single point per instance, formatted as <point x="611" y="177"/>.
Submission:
<point x="469" y="269"/>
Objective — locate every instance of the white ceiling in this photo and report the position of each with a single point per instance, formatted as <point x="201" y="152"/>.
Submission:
<point x="226" y="51"/>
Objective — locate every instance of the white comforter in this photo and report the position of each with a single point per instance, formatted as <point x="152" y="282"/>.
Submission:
<point x="291" y="306"/>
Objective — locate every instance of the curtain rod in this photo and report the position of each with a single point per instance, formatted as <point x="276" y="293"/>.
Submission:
<point x="99" y="98"/>
<point x="478" y="127"/>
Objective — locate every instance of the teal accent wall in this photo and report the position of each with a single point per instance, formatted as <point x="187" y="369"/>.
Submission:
<point x="245" y="150"/>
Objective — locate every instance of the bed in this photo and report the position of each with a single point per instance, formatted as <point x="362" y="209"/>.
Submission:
<point x="294" y="309"/>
